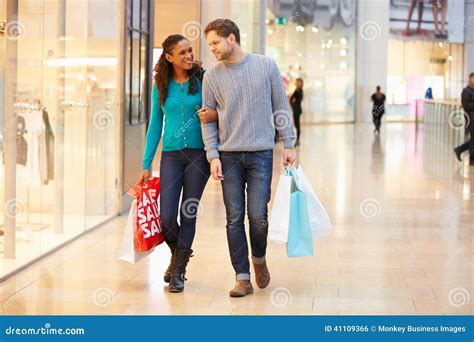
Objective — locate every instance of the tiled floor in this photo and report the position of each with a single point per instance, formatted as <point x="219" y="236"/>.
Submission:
<point x="401" y="244"/>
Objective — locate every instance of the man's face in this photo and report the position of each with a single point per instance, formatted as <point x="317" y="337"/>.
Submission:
<point x="471" y="81"/>
<point x="220" y="46"/>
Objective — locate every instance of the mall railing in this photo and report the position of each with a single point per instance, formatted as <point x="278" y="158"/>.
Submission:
<point x="445" y="121"/>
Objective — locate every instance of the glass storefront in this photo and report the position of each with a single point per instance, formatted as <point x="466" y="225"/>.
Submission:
<point x="318" y="45"/>
<point x="247" y="16"/>
<point x="416" y="65"/>
<point x="60" y="103"/>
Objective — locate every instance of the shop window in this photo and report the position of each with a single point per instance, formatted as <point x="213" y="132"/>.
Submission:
<point x="137" y="62"/>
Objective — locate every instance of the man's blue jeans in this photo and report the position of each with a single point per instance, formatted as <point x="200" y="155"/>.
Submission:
<point x="253" y="169"/>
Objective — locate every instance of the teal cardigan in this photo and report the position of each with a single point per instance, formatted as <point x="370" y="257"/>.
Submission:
<point x="182" y="124"/>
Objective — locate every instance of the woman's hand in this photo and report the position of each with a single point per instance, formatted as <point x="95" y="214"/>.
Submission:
<point x="144" y="175"/>
<point x="207" y="114"/>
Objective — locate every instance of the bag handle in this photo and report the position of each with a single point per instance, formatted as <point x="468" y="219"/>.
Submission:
<point x="289" y="169"/>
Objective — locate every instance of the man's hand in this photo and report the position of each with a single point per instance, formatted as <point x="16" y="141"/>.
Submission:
<point x="207" y="114"/>
<point x="289" y="156"/>
<point x="216" y="169"/>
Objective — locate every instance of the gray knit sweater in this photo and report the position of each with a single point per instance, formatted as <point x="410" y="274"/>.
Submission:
<point x="251" y="103"/>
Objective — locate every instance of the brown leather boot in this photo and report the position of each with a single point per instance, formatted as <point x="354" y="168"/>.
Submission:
<point x="241" y="288"/>
<point x="262" y="276"/>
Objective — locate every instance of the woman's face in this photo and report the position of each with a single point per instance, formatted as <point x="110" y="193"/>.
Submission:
<point x="182" y="56"/>
<point x="299" y="84"/>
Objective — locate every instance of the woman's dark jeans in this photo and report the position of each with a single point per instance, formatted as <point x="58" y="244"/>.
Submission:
<point x="186" y="170"/>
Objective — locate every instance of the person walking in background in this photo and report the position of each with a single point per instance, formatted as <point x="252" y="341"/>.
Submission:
<point x="429" y="94"/>
<point x="418" y="31"/>
<point x="176" y="96"/>
<point x="467" y="99"/>
<point x="440" y="28"/>
<point x="247" y="91"/>
<point x="378" y="109"/>
<point x="295" y="102"/>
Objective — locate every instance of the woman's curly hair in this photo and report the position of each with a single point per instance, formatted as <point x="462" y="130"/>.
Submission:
<point x="164" y="69"/>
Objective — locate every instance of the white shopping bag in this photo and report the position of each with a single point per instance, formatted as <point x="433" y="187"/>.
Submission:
<point x="280" y="214"/>
<point x="127" y="249"/>
<point x="319" y="219"/>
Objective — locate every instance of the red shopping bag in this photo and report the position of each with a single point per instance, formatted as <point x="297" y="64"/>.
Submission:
<point x="148" y="230"/>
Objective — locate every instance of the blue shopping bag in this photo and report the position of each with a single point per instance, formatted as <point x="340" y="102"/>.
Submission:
<point x="300" y="239"/>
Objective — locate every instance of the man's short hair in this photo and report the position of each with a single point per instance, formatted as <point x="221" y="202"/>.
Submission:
<point x="223" y="27"/>
<point x="471" y="74"/>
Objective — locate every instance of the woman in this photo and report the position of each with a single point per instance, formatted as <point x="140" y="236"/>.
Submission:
<point x="175" y="100"/>
<point x="429" y="94"/>
<point x="440" y="27"/>
<point x="295" y="101"/>
<point x="378" y="110"/>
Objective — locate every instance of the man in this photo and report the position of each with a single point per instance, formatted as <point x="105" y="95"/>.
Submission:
<point x="467" y="100"/>
<point x="247" y="91"/>
<point x="378" y="109"/>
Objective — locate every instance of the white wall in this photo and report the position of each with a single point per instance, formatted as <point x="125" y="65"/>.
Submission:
<point x="210" y="10"/>
<point x="469" y="38"/>
<point x="371" y="58"/>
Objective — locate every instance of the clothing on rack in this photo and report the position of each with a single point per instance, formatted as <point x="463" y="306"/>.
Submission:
<point x="29" y="175"/>
<point x="21" y="143"/>
<point x="35" y="145"/>
<point x="46" y="151"/>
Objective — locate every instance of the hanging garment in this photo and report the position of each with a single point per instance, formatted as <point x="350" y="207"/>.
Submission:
<point x="46" y="151"/>
<point x="21" y="143"/>
<point x="29" y="175"/>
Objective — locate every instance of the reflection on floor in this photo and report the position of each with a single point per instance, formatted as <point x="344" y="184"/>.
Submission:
<point x="402" y="213"/>
<point x="35" y="237"/>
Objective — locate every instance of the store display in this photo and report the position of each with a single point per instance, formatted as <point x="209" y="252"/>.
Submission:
<point x="46" y="151"/>
<point x="21" y="143"/>
<point x="30" y="172"/>
<point x="428" y="20"/>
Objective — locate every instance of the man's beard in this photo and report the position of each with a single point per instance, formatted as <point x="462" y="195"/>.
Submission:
<point x="225" y="55"/>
